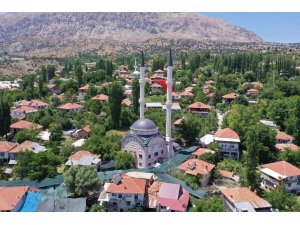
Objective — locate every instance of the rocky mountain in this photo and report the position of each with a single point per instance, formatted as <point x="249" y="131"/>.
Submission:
<point x="49" y="34"/>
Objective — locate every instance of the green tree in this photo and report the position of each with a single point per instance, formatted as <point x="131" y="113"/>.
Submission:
<point x="124" y="160"/>
<point x="135" y="95"/>
<point x="56" y="132"/>
<point x="190" y="129"/>
<point x="280" y="199"/>
<point x="213" y="204"/>
<point x="5" y="117"/>
<point x="97" y="208"/>
<point x="79" y="75"/>
<point x="290" y="156"/>
<point x="81" y="181"/>
<point x="116" y="96"/>
<point x="209" y="157"/>
<point x="251" y="177"/>
<point x="26" y="135"/>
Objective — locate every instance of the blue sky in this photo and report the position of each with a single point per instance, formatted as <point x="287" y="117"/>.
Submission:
<point x="274" y="27"/>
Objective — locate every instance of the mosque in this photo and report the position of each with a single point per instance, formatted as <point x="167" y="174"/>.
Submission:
<point x="144" y="140"/>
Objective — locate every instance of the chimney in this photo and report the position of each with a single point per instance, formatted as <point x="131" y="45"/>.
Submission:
<point x="142" y="86"/>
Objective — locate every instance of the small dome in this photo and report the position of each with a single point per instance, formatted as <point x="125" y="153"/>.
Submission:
<point x="136" y="73"/>
<point x="144" y="124"/>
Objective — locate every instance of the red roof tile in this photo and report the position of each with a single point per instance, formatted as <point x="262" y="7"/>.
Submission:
<point x="237" y="195"/>
<point x="6" y="146"/>
<point x="282" y="147"/>
<point x="69" y="106"/>
<point x="10" y="197"/>
<point x="25" y="125"/>
<point x="283" y="168"/>
<point x="101" y="97"/>
<point x="227" y="133"/>
<point x="196" y="166"/>
<point x="226" y="174"/>
<point x="284" y="136"/>
<point x="78" y="155"/>
<point x="230" y="96"/>
<point x="128" y="185"/>
<point x="199" y="105"/>
<point x="201" y="151"/>
<point x="25" y="109"/>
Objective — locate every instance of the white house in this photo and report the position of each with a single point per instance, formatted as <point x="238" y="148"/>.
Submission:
<point x="123" y="193"/>
<point x="228" y="143"/>
<point x="280" y="173"/>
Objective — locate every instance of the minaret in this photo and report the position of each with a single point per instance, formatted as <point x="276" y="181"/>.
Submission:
<point x="169" y="105"/>
<point x="142" y="87"/>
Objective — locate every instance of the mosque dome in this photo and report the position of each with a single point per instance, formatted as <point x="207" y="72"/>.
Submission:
<point x="144" y="125"/>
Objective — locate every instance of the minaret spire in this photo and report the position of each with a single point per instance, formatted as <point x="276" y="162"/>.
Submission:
<point x="169" y="104"/>
<point x="142" y="86"/>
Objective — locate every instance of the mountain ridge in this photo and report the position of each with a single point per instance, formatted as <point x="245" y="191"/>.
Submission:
<point x="66" y="33"/>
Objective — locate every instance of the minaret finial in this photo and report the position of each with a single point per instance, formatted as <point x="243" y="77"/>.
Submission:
<point x="142" y="60"/>
<point x="170" y="60"/>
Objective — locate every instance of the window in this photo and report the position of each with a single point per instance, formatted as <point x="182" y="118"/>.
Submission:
<point x="156" y="154"/>
<point x="140" y="156"/>
<point x="140" y="164"/>
<point x="136" y="196"/>
<point x="149" y="164"/>
<point x="162" y="151"/>
<point x="114" y="194"/>
<point x="128" y="203"/>
<point x="120" y="195"/>
<point x="2" y="154"/>
<point x="114" y="203"/>
<point x="149" y="156"/>
<point x="289" y="184"/>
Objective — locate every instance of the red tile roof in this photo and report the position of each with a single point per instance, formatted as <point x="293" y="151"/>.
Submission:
<point x="78" y="155"/>
<point x="6" y="146"/>
<point x="154" y="85"/>
<point x="226" y="174"/>
<point x="199" y="167"/>
<point x="69" y="106"/>
<point x="283" y="168"/>
<point x="50" y="86"/>
<point x="10" y="197"/>
<point x="101" y="97"/>
<point x="186" y="94"/>
<point x="159" y="71"/>
<point x="25" y="109"/>
<point x="230" y="96"/>
<point x="25" y="125"/>
<point x="201" y="151"/>
<point x="127" y="102"/>
<point x="284" y="136"/>
<point x="87" y="129"/>
<point x="227" y="133"/>
<point x="84" y="88"/>
<point x="282" y="147"/>
<point x="38" y="103"/>
<point x="237" y="195"/>
<point x="257" y="84"/>
<point x="156" y="77"/>
<point x="24" y="146"/>
<point x="179" y="121"/>
<point x="129" y="185"/>
<point x="253" y="91"/>
<point x="199" y="105"/>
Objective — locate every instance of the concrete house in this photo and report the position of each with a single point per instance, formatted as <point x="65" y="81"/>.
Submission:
<point x="197" y="167"/>
<point x="244" y="200"/>
<point x="228" y="143"/>
<point x="123" y="193"/>
<point x="280" y="173"/>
